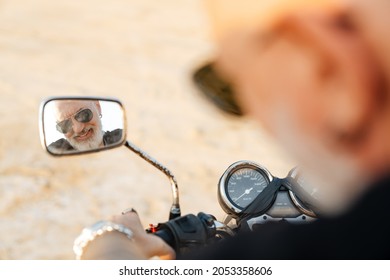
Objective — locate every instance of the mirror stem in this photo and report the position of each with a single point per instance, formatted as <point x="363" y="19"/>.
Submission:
<point x="175" y="208"/>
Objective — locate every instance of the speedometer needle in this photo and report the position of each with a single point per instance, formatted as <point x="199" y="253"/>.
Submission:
<point x="247" y="191"/>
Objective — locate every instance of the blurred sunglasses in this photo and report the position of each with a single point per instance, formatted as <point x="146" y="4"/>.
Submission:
<point x="82" y="116"/>
<point x="216" y="90"/>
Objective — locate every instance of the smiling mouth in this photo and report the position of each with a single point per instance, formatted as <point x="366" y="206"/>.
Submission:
<point x="84" y="136"/>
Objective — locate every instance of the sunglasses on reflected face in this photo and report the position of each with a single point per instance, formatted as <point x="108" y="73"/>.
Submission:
<point x="82" y="116"/>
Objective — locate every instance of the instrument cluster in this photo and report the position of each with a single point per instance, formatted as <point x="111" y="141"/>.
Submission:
<point x="248" y="192"/>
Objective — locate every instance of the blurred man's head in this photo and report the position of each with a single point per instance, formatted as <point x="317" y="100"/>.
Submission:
<point x="79" y="121"/>
<point x="317" y="79"/>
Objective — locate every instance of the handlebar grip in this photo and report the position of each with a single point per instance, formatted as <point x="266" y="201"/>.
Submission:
<point x="185" y="233"/>
<point x="166" y="235"/>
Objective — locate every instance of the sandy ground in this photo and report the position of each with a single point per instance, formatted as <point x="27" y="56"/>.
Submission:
<point x="141" y="52"/>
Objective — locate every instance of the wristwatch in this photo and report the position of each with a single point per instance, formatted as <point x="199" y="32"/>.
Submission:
<point x="90" y="233"/>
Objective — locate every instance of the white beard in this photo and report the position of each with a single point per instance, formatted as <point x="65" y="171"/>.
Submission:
<point x="92" y="143"/>
<point x="333" y="181"/>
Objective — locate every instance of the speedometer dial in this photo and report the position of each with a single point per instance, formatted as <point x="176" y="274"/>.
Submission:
<point x="244" y="185"/>
<point x="240" y="185"/>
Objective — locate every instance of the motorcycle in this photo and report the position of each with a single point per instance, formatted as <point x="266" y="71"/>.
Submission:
<point x="247" y="192"/>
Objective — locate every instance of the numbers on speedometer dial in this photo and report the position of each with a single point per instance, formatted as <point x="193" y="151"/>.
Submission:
<point x="244" y="185"/>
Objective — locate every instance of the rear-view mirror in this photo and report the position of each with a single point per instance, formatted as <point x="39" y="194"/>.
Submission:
<point x="77" y="125"/>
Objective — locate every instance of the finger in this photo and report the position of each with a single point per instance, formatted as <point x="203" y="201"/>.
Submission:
<point x="130" y="220"/>
<point x="129" y="210"/>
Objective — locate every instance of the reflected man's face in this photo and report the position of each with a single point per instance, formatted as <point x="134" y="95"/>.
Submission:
<point x="80" y="123"/>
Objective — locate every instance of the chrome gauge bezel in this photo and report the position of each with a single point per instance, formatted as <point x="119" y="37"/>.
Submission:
<point x="226" y="204"/>
<point x="295" y="199"/>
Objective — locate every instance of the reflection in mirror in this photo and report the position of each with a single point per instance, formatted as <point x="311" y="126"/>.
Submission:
<point x="80" y="125"/>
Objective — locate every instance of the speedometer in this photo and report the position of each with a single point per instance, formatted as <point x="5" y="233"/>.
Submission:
<point x="240" y="185"/>
<point x="244" y="185"/>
